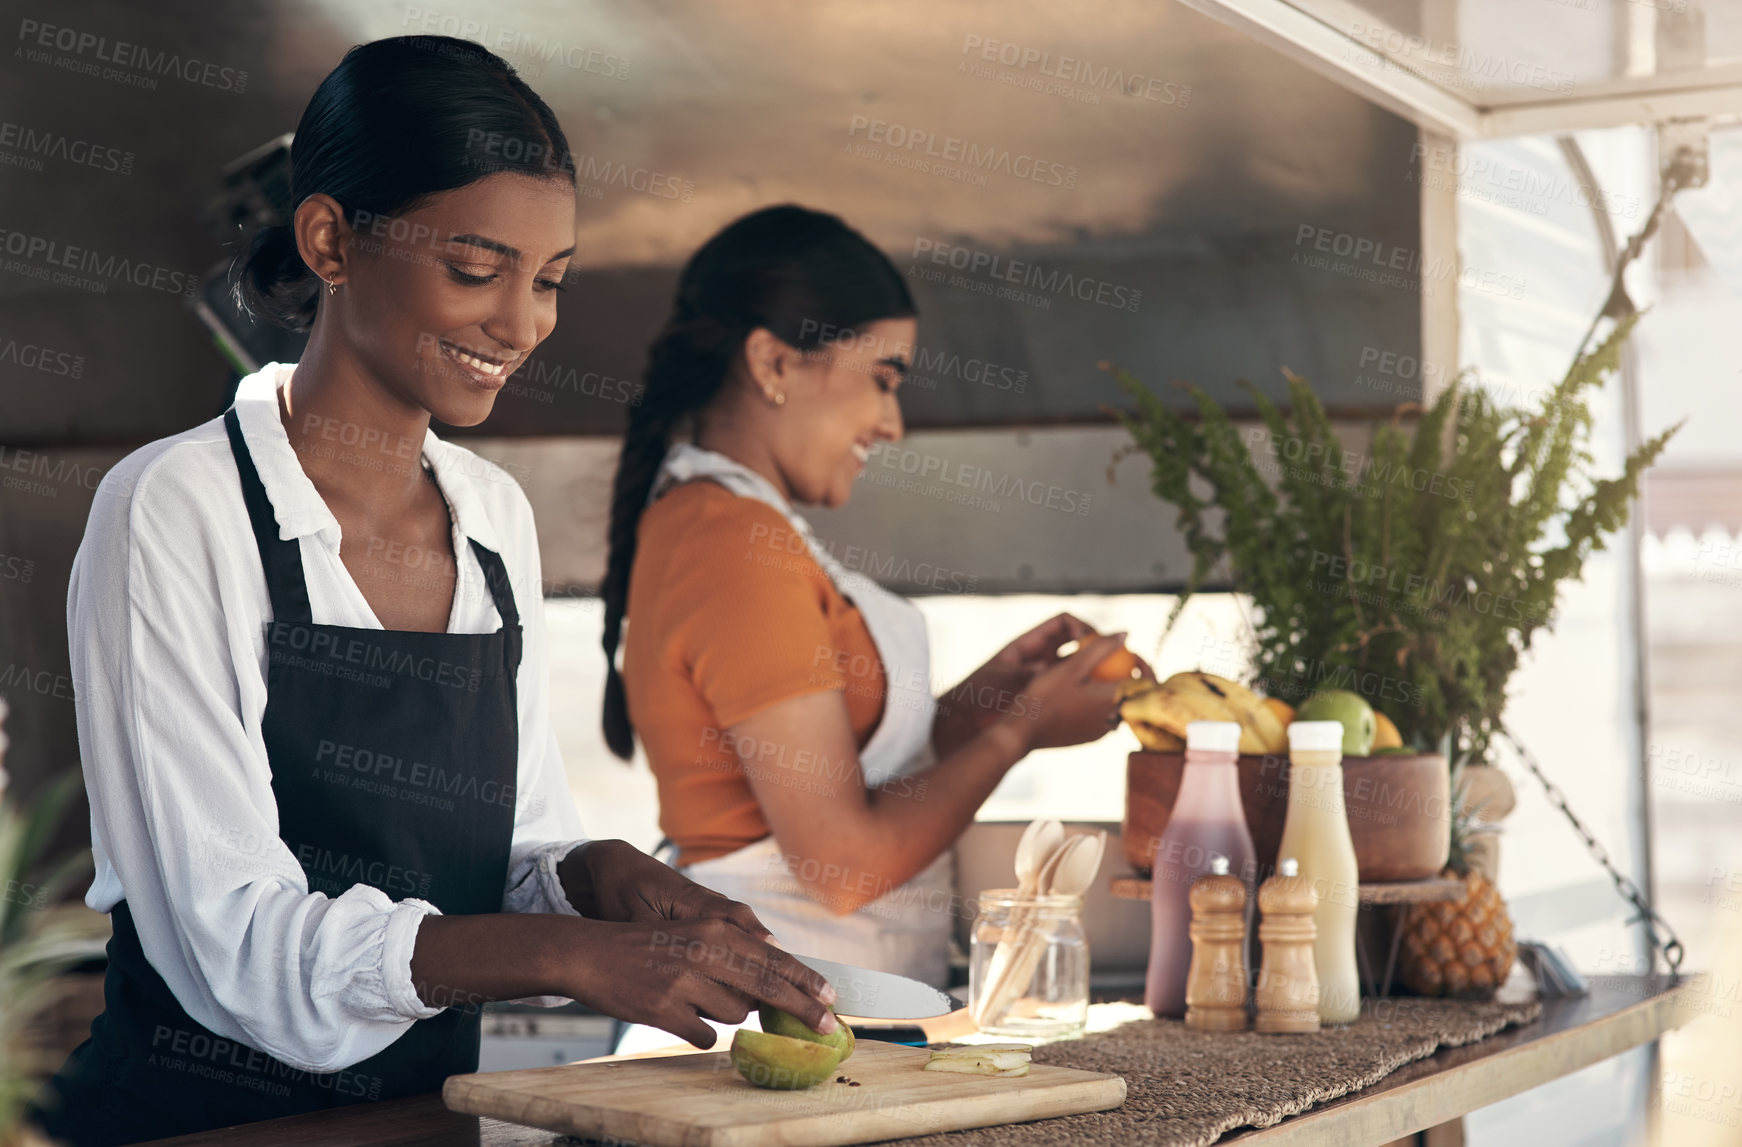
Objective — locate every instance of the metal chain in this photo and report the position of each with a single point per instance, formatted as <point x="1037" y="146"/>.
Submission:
<point x="1659" y="934"/>
<point x="1685" y="169"/>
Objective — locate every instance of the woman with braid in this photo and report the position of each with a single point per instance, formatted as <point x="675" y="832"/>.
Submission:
<point x="785" y="703"/>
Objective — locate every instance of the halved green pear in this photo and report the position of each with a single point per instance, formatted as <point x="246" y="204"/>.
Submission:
<point x="778" y="1022"/>
<point x="780" y="1063"/>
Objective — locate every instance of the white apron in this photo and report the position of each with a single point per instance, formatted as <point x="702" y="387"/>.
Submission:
<point x="906" y="931"/>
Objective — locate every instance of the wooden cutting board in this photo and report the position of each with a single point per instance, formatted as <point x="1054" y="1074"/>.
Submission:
<point x="700" y="1101"/>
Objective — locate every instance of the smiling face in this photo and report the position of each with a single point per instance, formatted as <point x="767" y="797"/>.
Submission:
<point x="840" y="404"/>
<point x="448" y="299"/>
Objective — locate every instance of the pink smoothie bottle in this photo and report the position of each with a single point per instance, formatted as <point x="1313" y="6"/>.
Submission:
<point x="1207" y="821"/>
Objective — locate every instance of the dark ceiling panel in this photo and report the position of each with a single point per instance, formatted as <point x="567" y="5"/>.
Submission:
<point x="1133" y="177"/>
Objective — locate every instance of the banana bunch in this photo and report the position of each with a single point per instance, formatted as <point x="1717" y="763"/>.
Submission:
<point x="1158" y="712"/>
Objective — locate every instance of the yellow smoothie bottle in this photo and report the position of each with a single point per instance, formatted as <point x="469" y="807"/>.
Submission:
<point x="1316" y="834"/>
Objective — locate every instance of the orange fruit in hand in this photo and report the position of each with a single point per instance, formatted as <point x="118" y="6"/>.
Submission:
<point x="1118" y="665"/>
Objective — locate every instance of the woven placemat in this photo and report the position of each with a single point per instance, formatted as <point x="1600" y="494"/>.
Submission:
<point x="1187" y="1089"/>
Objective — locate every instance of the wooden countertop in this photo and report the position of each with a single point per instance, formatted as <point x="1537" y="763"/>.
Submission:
<point x="1621" y="1012"/>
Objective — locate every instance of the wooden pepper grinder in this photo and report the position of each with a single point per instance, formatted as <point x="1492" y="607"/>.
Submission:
<point x="1288" y="985"/>
<point x="1216" y="981"/>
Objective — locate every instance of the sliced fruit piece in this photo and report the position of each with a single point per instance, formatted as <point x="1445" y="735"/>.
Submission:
<point x="981" y="1048"/>
<point x="998" y="1059"/>
<point x="777" y="1022"/>
<point x="974" y="1067"/>
<point x="981" y="1059"/>
<point x="780" y="1063"/>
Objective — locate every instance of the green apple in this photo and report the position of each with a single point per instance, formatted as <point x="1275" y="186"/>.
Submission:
<point x="777" y="1022"/>
<point x="1351" y="709"/>
<point x="779" y="1063"/>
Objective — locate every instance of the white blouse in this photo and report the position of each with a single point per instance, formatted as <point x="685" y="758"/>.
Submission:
<point x="166" y="614"/>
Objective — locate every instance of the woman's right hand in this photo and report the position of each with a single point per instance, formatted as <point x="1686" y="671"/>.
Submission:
<point x="674" y="974"/>
<point x="1062" y="705"/>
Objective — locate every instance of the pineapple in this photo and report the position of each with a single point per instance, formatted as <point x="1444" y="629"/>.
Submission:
<point x="1462" y="947"/>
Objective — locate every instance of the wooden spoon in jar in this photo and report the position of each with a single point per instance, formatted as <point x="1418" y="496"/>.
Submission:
<point x="1023" y="942"/>
<point x="1040" y="842"/>
<point x="1075" y="868"/>
<point x="1069" y="872"/>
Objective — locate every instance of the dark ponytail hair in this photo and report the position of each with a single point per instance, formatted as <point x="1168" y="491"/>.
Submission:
<point x="398" y="121"/>
<point x="804" y="276"/>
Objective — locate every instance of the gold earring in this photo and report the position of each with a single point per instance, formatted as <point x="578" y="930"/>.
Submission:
<point x="776" y="397"/>
<point x="332" y="287"/>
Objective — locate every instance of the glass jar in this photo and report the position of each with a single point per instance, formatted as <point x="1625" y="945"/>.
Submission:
<point x="1028" y="975"/>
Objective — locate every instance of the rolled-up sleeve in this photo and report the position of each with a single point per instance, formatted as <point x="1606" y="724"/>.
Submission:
<point x="546" y="829"/>
<point x="170" y="691"/>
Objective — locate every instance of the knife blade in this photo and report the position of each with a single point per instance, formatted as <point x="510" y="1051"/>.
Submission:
<point x="880" y="995"/>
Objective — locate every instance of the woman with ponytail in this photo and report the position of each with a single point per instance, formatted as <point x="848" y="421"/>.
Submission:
<point x="785" y="701"/>
<point x="327" y="809"/>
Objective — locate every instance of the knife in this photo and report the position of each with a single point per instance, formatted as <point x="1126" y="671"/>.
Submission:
<point x="880" y="995"/>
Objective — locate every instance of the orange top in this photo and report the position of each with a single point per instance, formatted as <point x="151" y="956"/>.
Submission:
<point x="729" y="614"/>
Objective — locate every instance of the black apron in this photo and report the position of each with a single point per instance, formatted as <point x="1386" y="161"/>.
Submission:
<point x="394" y="761"/>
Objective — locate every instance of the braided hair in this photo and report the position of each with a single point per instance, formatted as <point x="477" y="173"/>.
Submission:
<point x="802" y="275"/>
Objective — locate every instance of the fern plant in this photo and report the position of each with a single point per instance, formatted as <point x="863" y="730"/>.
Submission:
<point x="39" y="938"/>
<point x="1415" y="573"/>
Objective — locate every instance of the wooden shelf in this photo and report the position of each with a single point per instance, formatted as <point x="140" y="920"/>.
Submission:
<point x="1404" y="892"/>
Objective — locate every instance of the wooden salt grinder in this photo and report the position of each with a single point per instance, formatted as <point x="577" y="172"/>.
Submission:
<point x="1288" y="984"/>
<point x="1216" y="982"/>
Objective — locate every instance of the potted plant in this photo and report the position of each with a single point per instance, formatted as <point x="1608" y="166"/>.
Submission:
<point x="40" y="937"/>
<point x="1422" y="565"/>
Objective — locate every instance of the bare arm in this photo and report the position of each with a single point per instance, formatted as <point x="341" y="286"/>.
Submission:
<point x="972" y="706"/>
<point x="849" y="844"/>
<point x="654" y="948"/>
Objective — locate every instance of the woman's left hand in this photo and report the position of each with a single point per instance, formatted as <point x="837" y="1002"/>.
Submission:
<point x="992" y="689"/>
<point x="615" y="881"/>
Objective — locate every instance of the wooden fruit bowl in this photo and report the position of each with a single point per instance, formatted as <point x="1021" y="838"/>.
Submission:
<point x="1399" y="810"/>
